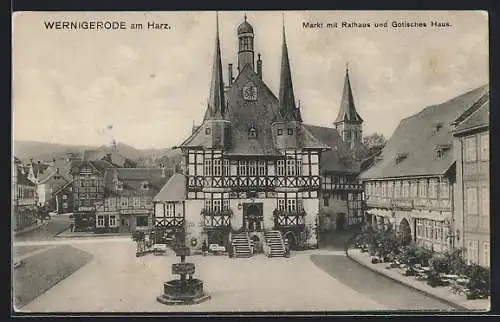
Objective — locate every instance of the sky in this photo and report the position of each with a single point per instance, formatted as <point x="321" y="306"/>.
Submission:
<point x="151" y="85"/>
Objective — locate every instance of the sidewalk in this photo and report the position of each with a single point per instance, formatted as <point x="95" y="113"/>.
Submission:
<point x="441" y="293"/>
<point x="83" y="234"/>
<point x="30" y="228"/>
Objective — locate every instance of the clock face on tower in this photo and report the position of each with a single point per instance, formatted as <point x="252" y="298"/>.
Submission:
<point x="250" y="92"/>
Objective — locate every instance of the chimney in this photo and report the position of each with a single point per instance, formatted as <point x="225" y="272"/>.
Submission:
<point x="230" y="74"/>
<point x="259" y="66"/>
<point x="57" y="170"/>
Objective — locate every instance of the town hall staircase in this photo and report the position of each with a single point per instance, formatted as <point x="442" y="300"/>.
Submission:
<point x="275" y="242"/>
<point x="241" y="244"/>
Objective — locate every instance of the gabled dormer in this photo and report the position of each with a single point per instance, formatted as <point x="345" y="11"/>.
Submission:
<point x="442" y="150"/>
<point x="145" y="185"/>
<point x="437" y="127"/>
<point x="400" y="157"/>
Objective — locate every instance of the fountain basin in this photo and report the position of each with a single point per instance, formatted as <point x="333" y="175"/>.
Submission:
<point x="189" y="292"/>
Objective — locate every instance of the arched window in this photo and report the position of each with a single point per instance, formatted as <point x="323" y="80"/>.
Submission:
<point x="246" y="43"/>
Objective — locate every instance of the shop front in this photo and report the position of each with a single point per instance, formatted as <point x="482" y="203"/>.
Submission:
<point x="135" y="219"/>
<point x="85" y="219"/>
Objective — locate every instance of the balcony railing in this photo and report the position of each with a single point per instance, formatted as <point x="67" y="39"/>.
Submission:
<point x="283" y="212"/>
<point x="402" y="203"/>
<point x="267" y="182"/>
<point x="409" y="203"/>
<point x="342" y="186"/>
<point x="286" y="218"/>
<point x="216" y="218"/>
<point x="380" y="202"/>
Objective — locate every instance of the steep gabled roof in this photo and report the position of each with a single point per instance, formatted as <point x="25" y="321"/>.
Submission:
<point x="133" y="180"/>
<point x="99" y="165"/>
<point x="417" y="137"/>
<point x="49" y="173"/>
<point x="38" y="168"/>
<point x="61" y="166"/>
<point x="64" y="186"/>
<point x="347" y="110"/>
<point x="259" y="114"/>
<point x="338" y="158"/>
<point x="478" y="116"/>
<point x="22" y="178"/>
<point x="173" y="190"/>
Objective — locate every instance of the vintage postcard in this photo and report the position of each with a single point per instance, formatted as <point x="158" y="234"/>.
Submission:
<point x="258" y="161"/>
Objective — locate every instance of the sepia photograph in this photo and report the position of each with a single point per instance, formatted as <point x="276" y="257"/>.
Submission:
<point x="250" y="162"/>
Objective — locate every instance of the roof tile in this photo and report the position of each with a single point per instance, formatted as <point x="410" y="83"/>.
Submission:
<point x="416" y="136"/>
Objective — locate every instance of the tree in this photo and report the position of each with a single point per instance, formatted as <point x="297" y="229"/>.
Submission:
<point x="372" y="144"/>
<point x="374" y="140"/>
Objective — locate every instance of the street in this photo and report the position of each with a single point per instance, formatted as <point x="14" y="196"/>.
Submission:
<point x="314" y="280"/>
<point x="55" y="225"/>
<point x="387" y="292"/>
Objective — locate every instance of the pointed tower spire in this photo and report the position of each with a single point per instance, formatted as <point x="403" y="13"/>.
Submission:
<point x="286" y="97"/>
<point x="347" y="110"/>
<point x="215" y="108"/>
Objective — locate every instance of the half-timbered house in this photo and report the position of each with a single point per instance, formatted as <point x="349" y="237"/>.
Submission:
<point x="169" y="206"/>
<point x="252" y="166"/>
<point x="472" y="197"/>
<point x="88" y="189"/>
<point x="411" y="185"/>
<point x="128" y="202"/>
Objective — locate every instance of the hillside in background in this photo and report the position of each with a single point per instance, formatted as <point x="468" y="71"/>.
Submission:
<point x="26" y="150"/>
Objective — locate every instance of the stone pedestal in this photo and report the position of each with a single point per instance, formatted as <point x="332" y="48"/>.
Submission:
<point x="183" y="291"/>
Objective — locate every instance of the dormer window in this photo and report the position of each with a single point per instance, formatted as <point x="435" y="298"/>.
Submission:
<point x="280" y="131"/>
<point x="145" y="185"/>
<point x="207" y="131"/>
<point x="436" y="127"/>
<point x="442" y="150"/>
<point x="400" y="157"/>
<point x="119" y="186"/>
<point x="290" y="131"/>
<point x="252" y="132"/>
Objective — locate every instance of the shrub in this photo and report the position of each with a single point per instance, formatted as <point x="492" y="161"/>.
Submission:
<point x="409" y="254"/>
<point x="440" y="263"/>
<point x="479" y="282"/>
<point x="434" y="280"/>
<point x="389" y="244"/>
<point x="423" y="255"/>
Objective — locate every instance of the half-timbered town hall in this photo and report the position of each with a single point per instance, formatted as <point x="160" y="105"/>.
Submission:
<point x="252" y="174"/>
